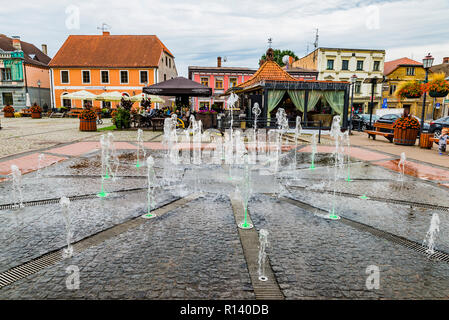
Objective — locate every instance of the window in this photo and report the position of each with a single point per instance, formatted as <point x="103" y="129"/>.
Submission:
<point x="64" y="76"/>
<point x="106" y="104"/>
<point x="7" y="98"/>
<point x="104" y="76"/>
<point x="169" y="63"/>
<point x="232" y="82"/>
<point x="410" y="71"/>
<point x="204" y="105"/>
<point x="359" y="65"/>
<point x="376" y="65"/>
<point x="6" y="74"/>
<point x="123" y="76"/>
<point x="218" y="83"/>
<point x="66" y="102"/>
<point x="205" y="81"/>
<point x="166" y="62"/>
<point x="358" y="86"/>
<point x="165" y="77"/>
<point x="392" y="89"/>
<point x="143" y="76"/>
<point x="345" y="65"/>
<point x="86" y="76"/>
<point x="330" y="64"/>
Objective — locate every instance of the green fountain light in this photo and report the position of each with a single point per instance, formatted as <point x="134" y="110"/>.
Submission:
<point x="364" y="197"/>
<point x="245" y="224"/>
<point x="333" y="216"/>
<point x="148" y="215"/>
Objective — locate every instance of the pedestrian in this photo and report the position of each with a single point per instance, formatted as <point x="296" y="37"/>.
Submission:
<point x="442" y="142"/>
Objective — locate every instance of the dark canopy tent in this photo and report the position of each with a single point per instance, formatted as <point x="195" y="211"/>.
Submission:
<point x="180" y="87"/>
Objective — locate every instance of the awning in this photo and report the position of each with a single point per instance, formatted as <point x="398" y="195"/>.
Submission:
<point x="138" y="97"/>
<point x="179" y="86"/>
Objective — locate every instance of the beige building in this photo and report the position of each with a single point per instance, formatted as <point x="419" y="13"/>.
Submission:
<point x="339" y="64"/>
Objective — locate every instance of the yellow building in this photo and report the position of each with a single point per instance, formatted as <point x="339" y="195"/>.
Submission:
<point x="402" y="70"/>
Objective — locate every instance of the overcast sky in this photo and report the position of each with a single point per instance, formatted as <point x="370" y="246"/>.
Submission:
<point x="197" y="31"/>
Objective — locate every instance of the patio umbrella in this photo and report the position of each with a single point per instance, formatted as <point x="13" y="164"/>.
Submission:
<point x="28" y="100"/>
<point x="110" y="96"/>
<point x="153" y="98"/>
<point x="80" y="95"/>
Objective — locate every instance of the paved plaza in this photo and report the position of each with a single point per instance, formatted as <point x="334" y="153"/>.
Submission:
<point x="194" y="249"/>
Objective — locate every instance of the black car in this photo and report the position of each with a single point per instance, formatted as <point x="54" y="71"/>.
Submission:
<point x="392" y="117"/>
<point x="361" y="121"/>
<point x="437" y="125"/>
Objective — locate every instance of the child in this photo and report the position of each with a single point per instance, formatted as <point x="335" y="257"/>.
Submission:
<point x="443" y="141"/>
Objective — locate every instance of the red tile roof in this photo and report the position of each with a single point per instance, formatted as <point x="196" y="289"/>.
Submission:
<point x="270" y="71"/>
<point x="29" y="50"/>
<point x="110" y="51"/>
<point x="390" y="66"/>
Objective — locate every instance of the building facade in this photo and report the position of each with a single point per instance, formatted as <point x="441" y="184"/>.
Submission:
<point x="399" y="71"/>
<point x="339" y="64"/>
<point x="24" y="72"/>
<point x="106" y="63"/>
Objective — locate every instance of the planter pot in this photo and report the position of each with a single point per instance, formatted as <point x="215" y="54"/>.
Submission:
<point x="406" y="137"/>
<point x="409" y="96"/>
<point x="438" y="94"/>
<point x="425" y="140"/>
<point x="88" y="125"/>
<point x="36" y="115"/>
<point x="207" y="120"/>
<point x="9" y="114"/>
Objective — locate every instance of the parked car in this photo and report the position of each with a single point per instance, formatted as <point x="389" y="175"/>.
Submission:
<point x="437" y="125"/>
<point x="361" y="121"/>
<point x="392" y="117"/>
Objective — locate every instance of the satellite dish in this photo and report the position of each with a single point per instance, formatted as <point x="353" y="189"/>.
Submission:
<point x="286" y="59"/>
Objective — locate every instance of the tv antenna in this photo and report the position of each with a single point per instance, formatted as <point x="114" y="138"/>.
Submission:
<point x="315" y="44"/>
<point x="270" y="41"/>
<point x="104" y="27"/>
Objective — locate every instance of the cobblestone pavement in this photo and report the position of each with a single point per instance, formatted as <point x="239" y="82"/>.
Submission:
<point x="316" y="258"/>
<point x="192" y="252"/>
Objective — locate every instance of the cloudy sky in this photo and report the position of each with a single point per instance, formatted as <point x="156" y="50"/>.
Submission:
<point x="197" y="31"/>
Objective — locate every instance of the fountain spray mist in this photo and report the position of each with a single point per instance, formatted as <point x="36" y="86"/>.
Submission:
<point x="151" y="180"/>
<point x="263" y="244"/>
<point x="432" y="234"/>
<point x="65" y="206"/>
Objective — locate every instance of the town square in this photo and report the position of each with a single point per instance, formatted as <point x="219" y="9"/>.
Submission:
<point x="136" y="165"/>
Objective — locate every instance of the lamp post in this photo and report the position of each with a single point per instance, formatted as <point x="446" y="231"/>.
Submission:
<point x="39" y="85"/>
<point x="427" y="63"/>
<point x="353" y="81"/>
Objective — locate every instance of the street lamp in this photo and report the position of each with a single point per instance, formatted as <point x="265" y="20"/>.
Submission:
<point x="353" y="81"/>
<point x="39" y="85"/>
<point x="427" y="63"/>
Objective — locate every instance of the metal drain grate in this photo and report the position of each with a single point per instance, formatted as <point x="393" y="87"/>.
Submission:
<point x="373" y="198"/>
<point x="42" y="202"/>
<point x="37" y="264"/>
<point x="417" y="247"/>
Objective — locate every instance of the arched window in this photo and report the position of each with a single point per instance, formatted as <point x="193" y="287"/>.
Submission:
<point x="67" y="103"/>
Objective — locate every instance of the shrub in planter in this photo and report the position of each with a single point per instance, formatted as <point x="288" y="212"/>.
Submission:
<point x="88" y="120"/>
<point x="410" y="89"/>
<point x="35" y="111"/>
<point x="8" y="111"/>
<point x="406" y="130"/>
<point x="122" y="118"/>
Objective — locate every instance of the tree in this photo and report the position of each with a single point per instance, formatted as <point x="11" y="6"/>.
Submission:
<point x="279" y="54"/>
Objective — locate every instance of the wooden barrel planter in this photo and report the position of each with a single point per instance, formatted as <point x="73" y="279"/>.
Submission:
<point x="9" y="114"/>
<point x="438" y="94"/>
<point x="36" y="115"/>
<point x="406" y="137"/>
<point x="424" y="141"/>
<point x="88" y="125"/>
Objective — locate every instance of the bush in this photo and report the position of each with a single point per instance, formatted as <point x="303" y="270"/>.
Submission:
<point x="36" y="109"/>
<point x="8" y="109"/>
<point x="407" y="122"/>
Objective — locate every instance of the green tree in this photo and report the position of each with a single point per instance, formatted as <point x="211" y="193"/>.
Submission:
<point x="279" y="54"/>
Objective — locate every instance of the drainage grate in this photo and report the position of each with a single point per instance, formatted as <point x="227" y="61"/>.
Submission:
<point x="37" y="264"/>
<point x="42" y="202"/>
<point x="415" y="246"/>
<point x="373" y="198"/>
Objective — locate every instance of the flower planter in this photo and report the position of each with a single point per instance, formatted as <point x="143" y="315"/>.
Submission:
<point x="406" y="137"/>
<point x="409" y="96"/>
<point x="88" y="125"/>
<point x="9" y="114"/>
<point x="438" y="94"/>
<point x="424" y="141"/>
<point x="208" y="120"/>
<point x="36" y="115"/>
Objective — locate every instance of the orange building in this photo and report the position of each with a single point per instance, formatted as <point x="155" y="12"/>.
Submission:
<point x="106" y="63"/>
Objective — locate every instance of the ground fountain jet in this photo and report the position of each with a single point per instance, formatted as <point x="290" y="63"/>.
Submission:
<point x="298" y="131"/>
<point x="314" y="148"/>
<point x="151" y="178"/>
<point x="245" y="192"/>
<point x="65" y="204"/>
<point x="197" y="141"/>
<point x="112" y="154"/>
<point x="432" y="234"/>
<point x="337" y="135"/>
<point x="140" y="147"/>
<point x="40" y="161"/>
<point x="263" y="244"/>
<point x="256" y="112"/>
<point x="347" y="141"/>
<point x="17" y="187"/>
<point x="401" y="165"/>
<point x="104" y="163"/>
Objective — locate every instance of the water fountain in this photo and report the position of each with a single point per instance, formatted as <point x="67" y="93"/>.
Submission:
<point x="256" y="112"/>
<point x="337" y="135"/>
<point x="401" y="166"/>
<point x="112" y="154"/>
<point x="65" y="204"/>
<point x="432" y="234"/>
<point x="17" y="187"/>
<point x="151" y="181"/>
<point x="245" y="192"/>
<point x="140" y="147"/>
<point x="347" y="141"/>
<point x="298" y="131"/>
<point x="263" y="244"/>
<point x="314" y="148"/>
<point x="197" y="141"/>
<point x="40" y="161"/>
<point x="104" y="163"/>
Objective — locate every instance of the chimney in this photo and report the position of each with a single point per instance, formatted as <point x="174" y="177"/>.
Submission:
<point x="446" y="60"/>
<point x="219" y="62"/>
<point x="16" y="42"/>
<point x="44" y="49"/>
<point x="106" y="33"/>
